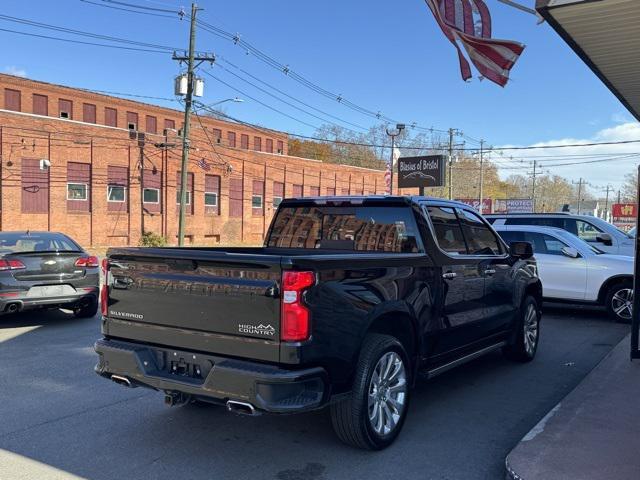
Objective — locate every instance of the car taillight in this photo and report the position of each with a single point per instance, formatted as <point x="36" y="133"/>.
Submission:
<point x="104" y="293"/>
<point x="11" y="265"/>
<point x="294" y="323"/>
<point x="87" y="262"/>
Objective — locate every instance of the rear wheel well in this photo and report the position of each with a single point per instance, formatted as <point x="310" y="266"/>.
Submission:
<point x="602" y="294"/>
<point x="400" y="326"/>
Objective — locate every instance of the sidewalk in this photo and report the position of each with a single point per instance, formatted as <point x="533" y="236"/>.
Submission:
<point x="594" y="433"/>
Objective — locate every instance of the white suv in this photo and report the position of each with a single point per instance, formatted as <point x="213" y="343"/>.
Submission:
<point x="594" y="230"/>
<point x="572" y="270"/>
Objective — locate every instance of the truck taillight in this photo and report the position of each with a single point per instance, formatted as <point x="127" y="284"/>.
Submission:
<point x="87" y="262"/>
<point x="294" y="324"/>
<point x="104" y="293"/>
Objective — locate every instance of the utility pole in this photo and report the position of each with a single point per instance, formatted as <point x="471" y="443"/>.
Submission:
<point x="533" y="184"/>
<point x="579" y="183"/>
<point x="606" y="203"/>
<point x="190" y="59"/>
<point x="393" y="134"/>
<point x="452" y="132"/>
<point x="481" y="175"/>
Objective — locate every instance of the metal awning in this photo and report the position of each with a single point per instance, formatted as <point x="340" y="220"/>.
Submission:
<point x="606" y="35"/>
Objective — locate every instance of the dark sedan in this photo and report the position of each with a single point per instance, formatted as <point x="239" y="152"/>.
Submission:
<point x="47" y="270"/>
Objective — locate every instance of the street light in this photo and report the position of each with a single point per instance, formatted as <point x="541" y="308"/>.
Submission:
<point x="393" y="134"/>
<point x="236" y="100"/>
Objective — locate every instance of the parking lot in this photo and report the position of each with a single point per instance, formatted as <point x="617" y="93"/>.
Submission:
<point x="59" y="420"/>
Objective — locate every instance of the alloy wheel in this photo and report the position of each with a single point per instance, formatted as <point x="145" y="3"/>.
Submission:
<point x="622" y="303"/>
<point x="387" y="393"/>
<point x="530" y="329"/>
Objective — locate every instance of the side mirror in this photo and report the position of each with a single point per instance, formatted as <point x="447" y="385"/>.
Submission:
<point x="522" y="250"/>
<point x="604" y="238"/>
<point x="570" y="252"/>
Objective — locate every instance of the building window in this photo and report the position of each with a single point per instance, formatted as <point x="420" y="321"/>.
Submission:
<point x="212" y="194"/>
<point x="210" y="199"/>
<point x="331" y="191"/>
<point x="269" y="145"/>
<point x="278" y="193"/>
<point x="280" y="145"/>
<point x="12" y="100"/>
<point x="235" y="197"/>
<point x="77" y="191"/>
<point x="65" y="109"/>
<point x="35" y="187"/>
<point x="132" y="121"/>
<point x="169" y="124"/>
<point x="116" y="193"/>
<point x="110" y="117"/>
<point x="257" y="144"/>
<point x="78" y="187"/>
<point x="257" y="197"/>
<point x="216" y="134"/>
<point x="88" y="113"/>
<point x="297" y="191"/>
<point x="178" y="193"/>
<point x="314" y="191"/>
<point x="152" y="124"/>
<point x="117" y="184"/>
<point x="244" y="141"/>
<point x="231" y="138"/>
<point x="40" y="104"/>
<point x="151" y="195"/>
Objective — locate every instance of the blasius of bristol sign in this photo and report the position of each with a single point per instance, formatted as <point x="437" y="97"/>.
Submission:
<point x="426" y="171"/>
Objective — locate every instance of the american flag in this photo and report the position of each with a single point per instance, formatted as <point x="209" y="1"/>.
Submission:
<point x="467" y="23"/>
<point x="202" y="163"/>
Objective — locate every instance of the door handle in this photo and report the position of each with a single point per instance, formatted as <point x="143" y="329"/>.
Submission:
<point x="449" y="275"/>
<point x="489" y="271"/>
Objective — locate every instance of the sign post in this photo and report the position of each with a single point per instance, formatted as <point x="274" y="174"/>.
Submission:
<point x="420" y="172"/>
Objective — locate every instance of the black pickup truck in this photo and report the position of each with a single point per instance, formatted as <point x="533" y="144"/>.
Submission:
<point x="349" y="302"/>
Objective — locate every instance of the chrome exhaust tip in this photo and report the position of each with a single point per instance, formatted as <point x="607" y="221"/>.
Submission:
<point x="241" y="408"/>
<point x="120" y="380"/>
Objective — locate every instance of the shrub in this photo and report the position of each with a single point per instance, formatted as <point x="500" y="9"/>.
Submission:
<point x="150" y="239"/>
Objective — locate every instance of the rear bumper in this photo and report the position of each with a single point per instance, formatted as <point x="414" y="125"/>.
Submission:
<point x="23" y="302"/>
<point x="213" y="378"/>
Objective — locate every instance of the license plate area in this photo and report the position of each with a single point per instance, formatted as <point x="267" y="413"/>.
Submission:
<point x="51" y="291"/>
<point x="182" y="368"/>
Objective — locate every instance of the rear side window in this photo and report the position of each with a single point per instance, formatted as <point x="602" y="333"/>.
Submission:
<point x="447" y="230"/>
<point x="480" y="239"/>
<point x="360" y="229"/>
<point x="39" y="242"/>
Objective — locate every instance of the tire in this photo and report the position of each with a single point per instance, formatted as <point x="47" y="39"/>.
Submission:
<point x="374" y="394"/>
<point x="527" y="334"/>
<point x="619" y="300"/>
<point x="87" y="310"/>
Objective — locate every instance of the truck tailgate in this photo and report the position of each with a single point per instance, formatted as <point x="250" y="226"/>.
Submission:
<point x="196" y="300"/>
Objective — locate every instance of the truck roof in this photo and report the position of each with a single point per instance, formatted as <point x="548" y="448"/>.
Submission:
<point x="368" y="199"/>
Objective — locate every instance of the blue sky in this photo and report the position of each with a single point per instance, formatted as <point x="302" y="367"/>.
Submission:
<point x="383" y="55"/>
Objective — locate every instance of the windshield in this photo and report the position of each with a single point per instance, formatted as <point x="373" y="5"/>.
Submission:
<point x="11" y="242"/>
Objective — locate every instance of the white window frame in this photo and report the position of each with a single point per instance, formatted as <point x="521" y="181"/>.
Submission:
<point x="151" y="188"/>
<point x="124" y="191"/>
<point x="205" y="199"/>
<point x="188" y="202"/>
<point x="86" y="191"/>
<point x="261" y="201"/>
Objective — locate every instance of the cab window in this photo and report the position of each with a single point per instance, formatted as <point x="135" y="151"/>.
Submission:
<point x="447" y="230"/>
<point x="587" y="231"/>
<point x="480" y="239"/>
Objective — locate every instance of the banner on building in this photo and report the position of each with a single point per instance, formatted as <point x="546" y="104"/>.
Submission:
<point x="624" y="215"/>
<point x="513" y="205"/>
<point x="425" y="171"/>
<point x="487" y="204"/>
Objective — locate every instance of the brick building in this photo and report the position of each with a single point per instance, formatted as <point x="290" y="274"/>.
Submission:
<point x="104" y="169"/>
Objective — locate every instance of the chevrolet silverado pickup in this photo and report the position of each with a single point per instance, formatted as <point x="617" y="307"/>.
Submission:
<point x="350" y="301"/>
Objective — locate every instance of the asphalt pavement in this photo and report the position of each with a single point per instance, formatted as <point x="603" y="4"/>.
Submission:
<point x="59" y="420"/>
